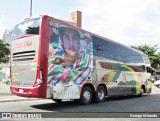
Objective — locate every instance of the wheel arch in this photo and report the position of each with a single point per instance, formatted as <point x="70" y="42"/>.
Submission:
<point x="94" y="88"/>
<point x="89" y="85"/>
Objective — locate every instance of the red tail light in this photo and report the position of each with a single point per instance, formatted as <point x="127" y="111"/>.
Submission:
<point x="38" y="77"/>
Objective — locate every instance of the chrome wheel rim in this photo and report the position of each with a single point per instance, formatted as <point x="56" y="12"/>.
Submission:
<point x="86" y="96"/>
<point x="101" y="94"/>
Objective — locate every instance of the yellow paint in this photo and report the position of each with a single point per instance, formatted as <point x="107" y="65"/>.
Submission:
<point x="111" y="76"/>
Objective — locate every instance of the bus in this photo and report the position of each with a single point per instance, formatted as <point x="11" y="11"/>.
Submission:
<point x="157" y="73"/>
<point x="53" y="59"/>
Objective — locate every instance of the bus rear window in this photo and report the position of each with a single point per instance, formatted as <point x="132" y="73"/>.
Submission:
<point x="30" y="26"/>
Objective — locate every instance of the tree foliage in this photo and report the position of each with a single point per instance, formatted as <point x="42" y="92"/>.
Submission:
<point x="4" y="52"/>
<point x="152" y="52"/>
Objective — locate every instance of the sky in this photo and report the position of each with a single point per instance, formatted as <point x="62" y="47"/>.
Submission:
<point x="130" y="22"/>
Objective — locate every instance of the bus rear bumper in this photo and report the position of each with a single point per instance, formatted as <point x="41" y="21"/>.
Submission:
<point x="28" y="91"/>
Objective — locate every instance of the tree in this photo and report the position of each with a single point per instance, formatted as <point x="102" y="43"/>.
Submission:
<point x="4" y="52"/>
<point x="152" y="52"/>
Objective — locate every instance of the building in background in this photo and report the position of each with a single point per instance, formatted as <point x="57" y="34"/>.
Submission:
<point x="7" y="36"/>
<point x="76" y="17"/>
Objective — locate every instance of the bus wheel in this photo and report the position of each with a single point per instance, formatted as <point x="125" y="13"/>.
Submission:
<point x="86" y="96"/>
<point x="99" y="96"/>
<point x="57" y="100"/>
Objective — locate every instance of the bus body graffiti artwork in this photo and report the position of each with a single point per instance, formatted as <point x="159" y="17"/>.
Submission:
<point x="53" y="59"/>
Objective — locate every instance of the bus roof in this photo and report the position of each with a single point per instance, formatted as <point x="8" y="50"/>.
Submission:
<point x="71" y="24"/>
<point x="99" y="36"/>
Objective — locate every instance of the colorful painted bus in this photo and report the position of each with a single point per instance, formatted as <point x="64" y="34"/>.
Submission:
<point x="53" y="59"/>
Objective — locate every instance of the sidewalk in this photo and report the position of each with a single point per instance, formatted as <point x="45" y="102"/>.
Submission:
<point x="7" y="96"/>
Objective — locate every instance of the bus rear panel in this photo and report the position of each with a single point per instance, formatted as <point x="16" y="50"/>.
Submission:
<point x="26" y="77"/>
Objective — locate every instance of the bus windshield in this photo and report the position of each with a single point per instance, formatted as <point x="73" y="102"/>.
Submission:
<point x="30" y="26"/>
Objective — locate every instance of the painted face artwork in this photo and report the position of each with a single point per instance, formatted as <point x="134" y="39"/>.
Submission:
<point x="70" y="40"/>
<point x="67" y="58"/>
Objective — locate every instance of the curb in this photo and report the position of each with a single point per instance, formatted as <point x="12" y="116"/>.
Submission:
<point x="20" y="99"/>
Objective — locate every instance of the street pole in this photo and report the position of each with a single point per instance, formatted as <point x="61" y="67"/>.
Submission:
<point x="31" y="9"/>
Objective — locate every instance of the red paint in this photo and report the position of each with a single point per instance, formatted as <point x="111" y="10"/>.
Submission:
<point x="105" y="65"/>
<point x="24" y="44"/>
<point x="37" y="90"/>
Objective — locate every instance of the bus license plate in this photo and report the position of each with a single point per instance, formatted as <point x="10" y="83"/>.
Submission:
<point x="21" y="91"/>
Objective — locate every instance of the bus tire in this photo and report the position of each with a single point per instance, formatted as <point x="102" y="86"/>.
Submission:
<point x="86" y="96"/>
<point x="57" y="100"/>
<point x="99" y="96"/>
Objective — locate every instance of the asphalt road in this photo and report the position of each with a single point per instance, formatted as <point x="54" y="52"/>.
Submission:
<point x="146" y="103"/>
<point x="118" y="106"/>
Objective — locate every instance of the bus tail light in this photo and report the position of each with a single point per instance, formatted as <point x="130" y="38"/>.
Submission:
<point x="38" y="82"/>
<point x="39" y="79"/>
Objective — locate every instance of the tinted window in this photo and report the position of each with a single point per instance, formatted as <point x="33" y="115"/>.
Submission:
<point x="134" y="57"/>
<point x="30" y="26"/>
<point x="146" y="59"/>
<point x="107" y="49"/>
<point x="158" y="73"/>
